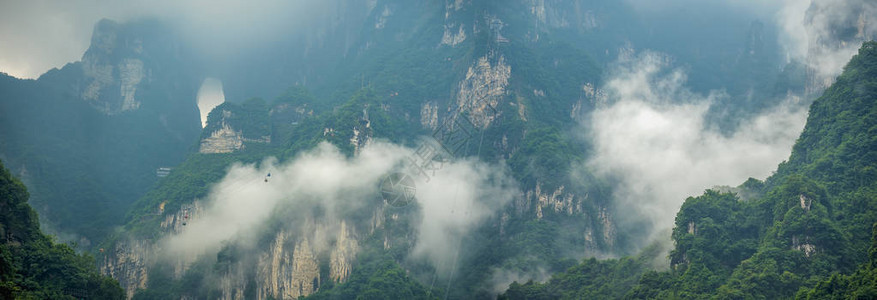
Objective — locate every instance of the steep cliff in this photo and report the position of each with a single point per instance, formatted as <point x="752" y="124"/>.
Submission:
<point x="835" y="32"/>
<point x="295" y="262"/>
<point x="93" y="133"/>
<point x="230" y="125"/>
<point x="801" y="233"/>
<point x="507" y="83"/>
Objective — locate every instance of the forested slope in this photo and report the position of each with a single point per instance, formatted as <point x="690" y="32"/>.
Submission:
<point x="807" y="233"/>
<point x="32" y="266"/>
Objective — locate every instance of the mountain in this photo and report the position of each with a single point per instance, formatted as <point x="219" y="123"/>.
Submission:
<point x="523" y="74"/>
<point x="88" y="138"/>
<point x="32" y="264"/>
<point x="482" y="104"/>
<point x="808" y="231"/>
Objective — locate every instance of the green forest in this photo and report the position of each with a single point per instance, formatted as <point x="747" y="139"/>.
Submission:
<point x="810" y="233"/>
<point x="566" y="136"/>
<point x="33" y="265"/>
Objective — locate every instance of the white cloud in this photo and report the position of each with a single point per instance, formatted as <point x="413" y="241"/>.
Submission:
<point x="210" y="95"/>
<point x="817" y="33"/>
<point x="654" y="139"/>
<point x="454" y="201"/>
<point x="242" y="201"/>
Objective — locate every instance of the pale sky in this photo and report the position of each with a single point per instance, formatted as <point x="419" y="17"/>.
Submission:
<point x="37" y="35"/>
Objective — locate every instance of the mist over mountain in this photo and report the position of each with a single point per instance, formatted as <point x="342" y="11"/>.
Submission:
<point x="791" y="235"/>
<point x="448" y="149"/>
<point x="88" y="138"/>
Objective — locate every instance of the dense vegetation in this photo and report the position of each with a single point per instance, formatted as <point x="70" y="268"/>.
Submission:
<point x="806" y="233"/>
<point x="83" y="167"/>
<point x="89" y="167"/>
<point x="390" y="73"/>
<point x="378" y="277"/>
<point x="250" y="118"/>
<point x="32" y="265"/>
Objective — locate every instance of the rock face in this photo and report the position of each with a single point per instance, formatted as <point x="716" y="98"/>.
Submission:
<point x="224" y="140"/>
<point x="287" y="268"/>
<point x="113" y="69"/>
<point x="128" y="263"/>
<point x="429" y="115"/>
<point x="559" y="201"/>
<point x="362" y="132"/>
<point x="537" y="202"/>
<point x="286" y="276"/>
<point x="803" y="244"/>
<point x="341" y="259"/>
<point x="563" y="14"/>
<point x="835" y="31"/>
<point x="222" y="134"/>
<point x="483" y="88"/>
<point x="451" y="38"/>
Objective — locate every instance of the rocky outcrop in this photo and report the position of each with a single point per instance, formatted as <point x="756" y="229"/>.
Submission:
<point x="224" y="140"/>
<point x="429" y="115"/>
<point x="233" y="284"/>
<point x="599" y="235"/>
<point x="129" y="259"/>
<point x="131" y="72"/>
<point x="285" y="275"/>
<point x="176" y="222"/>
<point x="455" y="29"/>
<point x="591" y="97"/>
<point x="113" y="69"/>
<point x="803" y="244"/>
<point x="557" y="200"/>
<point x="288" y="268"/>
<point x="305" y="271"/>
<point x="341" y="259"/>
<point x="483" y="88"/>
<point x="452" y="38"/>
<point x="272" y="266"/>
<point x="805" y="202"/>
<point x="608" y="226"/>
<point x="362" y="132"/>
<point x="835" y="33"/>
<point x="564" y="14"/>
<point x="128" y="263"/>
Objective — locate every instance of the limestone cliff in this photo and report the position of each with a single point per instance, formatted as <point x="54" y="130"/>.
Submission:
<point x="287" y="274"/>
<point x="600" y="229"/>
<point x="341" y="259"/>
<point x="835" y="33"/>
<point x="224" y="140"/>
<point x="429" y="115"/>
<point x="113" y="69"/>
<point x="362" y="132"/>
<point x="286" y="268"/>
<point x="230" y="126"/>
<point x="483" y="88"/>
<point x="128" y="263"/>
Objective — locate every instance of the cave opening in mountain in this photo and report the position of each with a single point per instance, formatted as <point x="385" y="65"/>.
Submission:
<point x="209" y="96"/>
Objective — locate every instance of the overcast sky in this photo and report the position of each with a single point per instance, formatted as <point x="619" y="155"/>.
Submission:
<point x="37" y="35"/>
